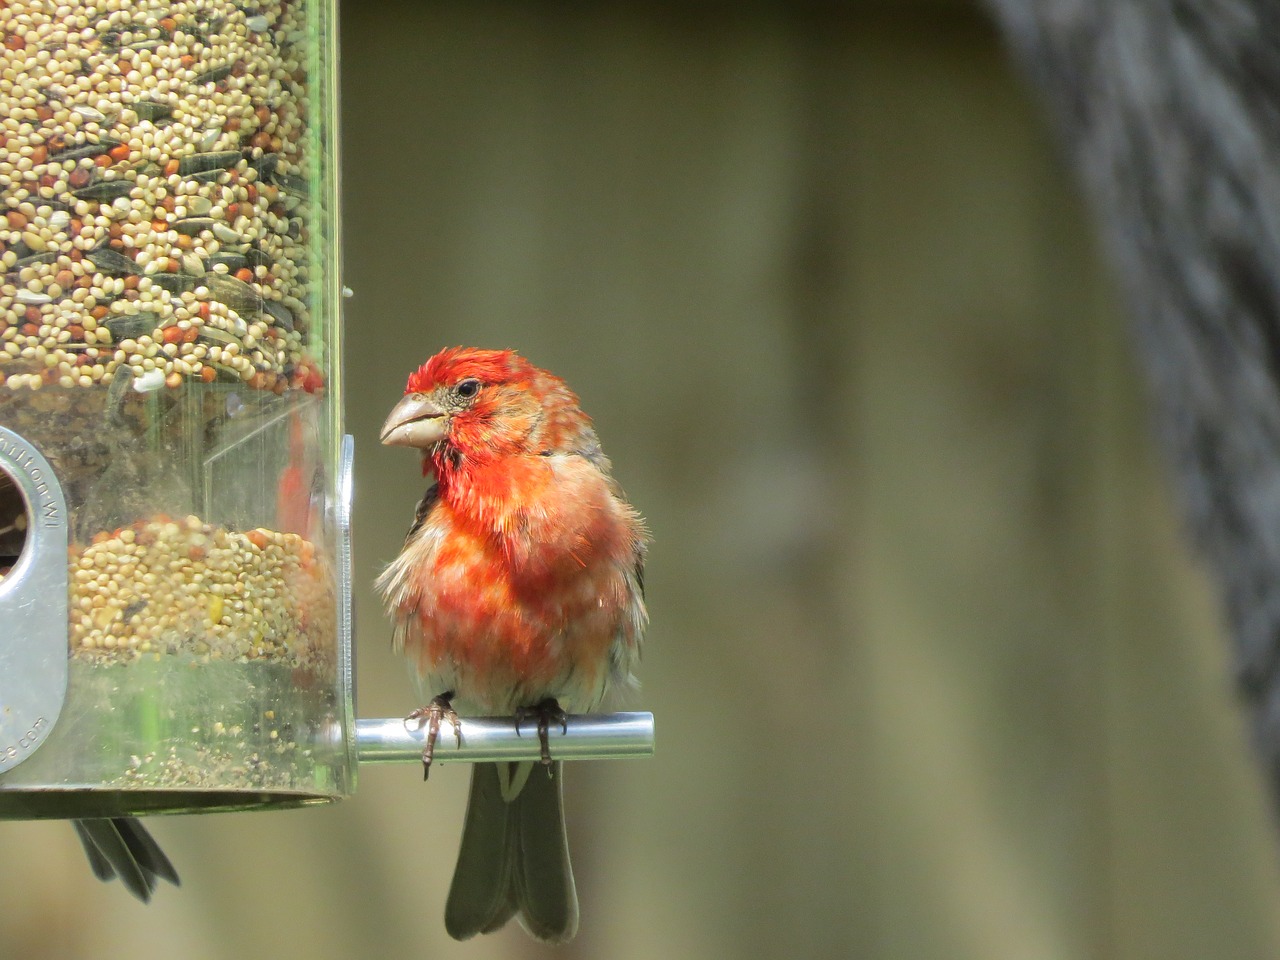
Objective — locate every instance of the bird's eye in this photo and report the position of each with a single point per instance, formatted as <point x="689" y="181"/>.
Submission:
<point x="467" y="388"/>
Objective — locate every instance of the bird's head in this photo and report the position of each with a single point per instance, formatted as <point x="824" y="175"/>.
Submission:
<point x="466" y="404"/>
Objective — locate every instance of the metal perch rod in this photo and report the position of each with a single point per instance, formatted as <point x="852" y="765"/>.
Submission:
<point x="595" y="736"/>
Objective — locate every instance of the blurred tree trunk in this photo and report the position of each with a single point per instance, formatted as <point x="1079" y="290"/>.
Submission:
<point x="1171" y="112"/>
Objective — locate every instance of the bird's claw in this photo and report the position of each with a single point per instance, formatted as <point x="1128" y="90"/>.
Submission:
<point x="546" y="713"/>
<point x="440" y="708"/>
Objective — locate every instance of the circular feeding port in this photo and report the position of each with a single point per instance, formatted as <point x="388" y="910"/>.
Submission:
<point x="13" y="523"/>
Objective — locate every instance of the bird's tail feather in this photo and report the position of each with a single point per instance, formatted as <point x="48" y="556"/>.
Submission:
<point x="514" y="857"/>
<point x="543" y="882"/>
<point x="478" y="895"/>
<point x="122" y="847"/>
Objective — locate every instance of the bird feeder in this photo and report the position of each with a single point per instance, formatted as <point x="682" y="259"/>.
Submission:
<point x="169" y="462"/>
<point x="175" y="629"/>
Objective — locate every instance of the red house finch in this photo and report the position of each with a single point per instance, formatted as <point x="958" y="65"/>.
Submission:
<point x="519" y="589"/>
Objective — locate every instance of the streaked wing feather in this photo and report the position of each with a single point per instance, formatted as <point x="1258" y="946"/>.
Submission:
<point x="423" y="509"/>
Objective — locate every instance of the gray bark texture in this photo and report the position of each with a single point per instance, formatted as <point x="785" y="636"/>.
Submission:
<point x="1170" y="111"/>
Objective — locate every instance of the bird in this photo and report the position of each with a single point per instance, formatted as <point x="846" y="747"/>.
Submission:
<point x="519" y="591"/>
<point x="122" y="847"/>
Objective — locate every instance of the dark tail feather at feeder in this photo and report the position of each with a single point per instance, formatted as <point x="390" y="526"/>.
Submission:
<point x="121" y="847"/>
<point x="514" y="857"/>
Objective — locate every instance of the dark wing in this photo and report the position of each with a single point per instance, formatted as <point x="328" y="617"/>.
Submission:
<point x="424" y="507"/>
<point x="593" y="452"/>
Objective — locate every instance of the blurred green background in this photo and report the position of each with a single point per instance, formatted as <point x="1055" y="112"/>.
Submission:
<point x="933" y="673"/>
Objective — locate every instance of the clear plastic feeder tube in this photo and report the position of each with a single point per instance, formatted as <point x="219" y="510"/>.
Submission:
<point x="169" y="310"/>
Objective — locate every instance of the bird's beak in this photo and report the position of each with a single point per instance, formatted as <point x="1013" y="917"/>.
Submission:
<point x="414" y="422"/>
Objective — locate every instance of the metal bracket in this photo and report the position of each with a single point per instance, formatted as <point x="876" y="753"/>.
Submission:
<point x="33" y="608"/>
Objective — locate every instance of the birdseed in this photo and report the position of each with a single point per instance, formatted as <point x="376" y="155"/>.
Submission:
<point x="182" y="586"/>
<point x="155" y="194"/>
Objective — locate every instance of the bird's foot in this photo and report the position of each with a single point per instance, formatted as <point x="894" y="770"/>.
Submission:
<point x="546" y="713"/>
<point x="440" y="708"/>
